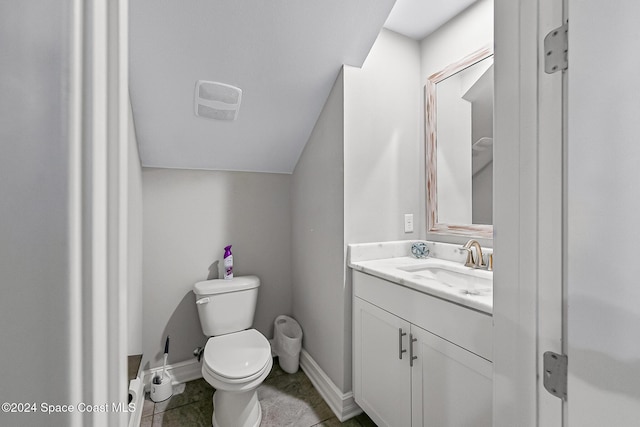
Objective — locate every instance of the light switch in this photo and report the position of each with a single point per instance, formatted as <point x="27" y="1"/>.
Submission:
<point x="408" y="223"/>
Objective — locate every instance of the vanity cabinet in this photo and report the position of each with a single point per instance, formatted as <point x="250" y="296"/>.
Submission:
<point x="407" y="369"/>
<point x="450" y="385"/>
<point x="383" y="379"/>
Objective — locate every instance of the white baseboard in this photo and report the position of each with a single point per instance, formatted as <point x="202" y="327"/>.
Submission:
<point x="342" y="404"/>
<point x="179" y="373"/>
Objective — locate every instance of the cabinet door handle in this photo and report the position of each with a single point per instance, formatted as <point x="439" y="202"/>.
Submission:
<point x="411" y="356"/>
<point x="400" y="349"/>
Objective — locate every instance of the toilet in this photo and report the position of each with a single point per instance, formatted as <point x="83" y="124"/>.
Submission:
<point x="236" y="359"/>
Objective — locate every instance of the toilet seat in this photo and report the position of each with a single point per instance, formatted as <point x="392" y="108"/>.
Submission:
<point x="238" y="357"/>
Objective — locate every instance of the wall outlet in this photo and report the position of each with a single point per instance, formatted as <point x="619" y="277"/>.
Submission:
<point x="408" y="223"/>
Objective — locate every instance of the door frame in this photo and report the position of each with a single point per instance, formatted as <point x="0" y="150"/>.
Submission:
<point x="98" y="97"/>
<point x="527" y="213"/>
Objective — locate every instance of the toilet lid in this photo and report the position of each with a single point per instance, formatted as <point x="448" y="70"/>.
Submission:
<point x="237" y="355"/>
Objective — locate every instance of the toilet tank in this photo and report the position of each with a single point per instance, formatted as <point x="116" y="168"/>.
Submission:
<point x="226" y="305"/>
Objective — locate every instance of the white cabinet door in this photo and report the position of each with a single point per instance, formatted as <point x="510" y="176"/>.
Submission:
<point x="382" y="385"/>
<point x="451" y="387"/>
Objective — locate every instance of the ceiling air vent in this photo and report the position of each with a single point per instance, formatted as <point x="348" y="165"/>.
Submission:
<point x="218" y="101"/>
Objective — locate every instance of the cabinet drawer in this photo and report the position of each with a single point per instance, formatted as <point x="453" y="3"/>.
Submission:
<point x="465" y="327"/>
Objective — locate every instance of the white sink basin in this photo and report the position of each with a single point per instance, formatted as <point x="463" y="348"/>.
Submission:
<point x="465" y="279"/>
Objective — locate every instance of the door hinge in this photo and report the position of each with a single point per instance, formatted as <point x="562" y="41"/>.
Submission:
<point x="555" y="374"/>
<point x="556" y="48"/>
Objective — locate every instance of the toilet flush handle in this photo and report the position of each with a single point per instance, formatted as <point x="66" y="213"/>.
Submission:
<point x="202" y="300"/>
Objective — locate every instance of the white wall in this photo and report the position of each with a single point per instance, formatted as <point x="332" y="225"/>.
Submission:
<point x="469" y="31"/>
<point x="383" y="152"/>
<point x="35" y="330"/>
<point x="134" y="250"/>
<point x="359" y="174"/>
<point x="317" y="195"/>
<point x="189" y="217"/>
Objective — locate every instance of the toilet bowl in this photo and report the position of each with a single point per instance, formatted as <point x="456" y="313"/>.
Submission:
<point x="235" y="365"/>
<point x="236" y="359"/>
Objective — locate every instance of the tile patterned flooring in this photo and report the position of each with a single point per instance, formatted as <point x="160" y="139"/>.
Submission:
<point x="286" y="399"/>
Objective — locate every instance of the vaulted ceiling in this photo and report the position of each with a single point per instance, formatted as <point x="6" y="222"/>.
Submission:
<point x="285" y="56"/>
<point x="416" y="19"/>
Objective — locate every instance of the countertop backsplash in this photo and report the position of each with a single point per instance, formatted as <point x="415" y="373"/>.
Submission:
<point x="400" y="248"/>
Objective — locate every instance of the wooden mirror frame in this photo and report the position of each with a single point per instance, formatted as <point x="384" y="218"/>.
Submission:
<point x="433" y="226"/>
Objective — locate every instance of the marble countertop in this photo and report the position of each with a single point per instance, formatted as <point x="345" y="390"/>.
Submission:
<point x="475" y="290"/>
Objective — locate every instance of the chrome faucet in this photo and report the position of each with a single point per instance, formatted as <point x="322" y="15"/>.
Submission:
<point x="478" y="260"/>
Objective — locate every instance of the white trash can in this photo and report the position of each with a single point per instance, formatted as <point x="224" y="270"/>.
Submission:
<point x="288" y="343"/>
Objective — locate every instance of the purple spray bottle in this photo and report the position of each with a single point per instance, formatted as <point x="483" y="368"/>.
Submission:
<point x="228" y="263"/>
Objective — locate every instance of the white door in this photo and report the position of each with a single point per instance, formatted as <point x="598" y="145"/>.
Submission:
<point x="451" y="387"/>
<point x="603" y="213"/>
<point x="382" y="375"/>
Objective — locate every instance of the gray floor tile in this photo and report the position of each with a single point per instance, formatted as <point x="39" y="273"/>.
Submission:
<point x="185" y="394"/>
<point x="276" y="370"/>
<point x="334" y="422"/>
<point x="286" y="400"/>
<point x="147" y="407"/>
<point x="290" y="386"/>
<point x="361" y="420"/>
<point x="364" y="420"/>
<point x="146" y="421"/>
<point x="196" y="414"/>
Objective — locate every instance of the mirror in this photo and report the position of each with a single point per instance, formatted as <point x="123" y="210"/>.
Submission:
<point x="459" y="138"/>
